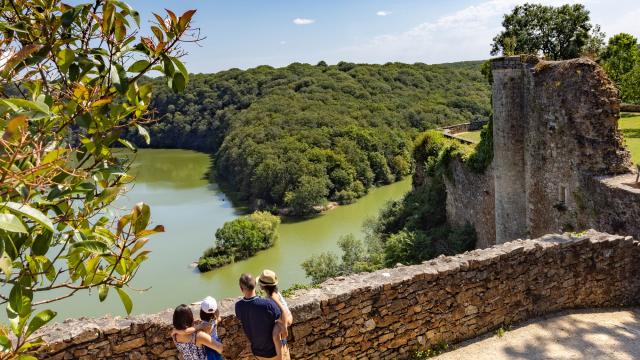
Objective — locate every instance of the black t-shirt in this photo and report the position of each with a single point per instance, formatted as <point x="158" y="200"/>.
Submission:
<point x="258" y="317"/>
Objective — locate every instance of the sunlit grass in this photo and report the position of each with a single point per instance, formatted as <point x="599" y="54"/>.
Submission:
<point x="473" y="136"/>
<point x="629" y="124"/>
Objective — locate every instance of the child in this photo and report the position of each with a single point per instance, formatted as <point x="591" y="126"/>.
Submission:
<point x="209" y="316"/>
<point x="268" y="281"/>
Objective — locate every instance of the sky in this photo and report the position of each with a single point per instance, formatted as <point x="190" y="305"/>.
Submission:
<point x="248" y="33"/>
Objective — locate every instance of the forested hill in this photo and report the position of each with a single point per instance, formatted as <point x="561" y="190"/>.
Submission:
<point x="299" y="135"/>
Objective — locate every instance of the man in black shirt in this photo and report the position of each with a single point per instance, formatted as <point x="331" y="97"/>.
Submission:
<point x="258" y="317"/>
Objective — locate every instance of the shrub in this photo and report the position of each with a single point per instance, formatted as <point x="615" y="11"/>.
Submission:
<point x="241" y="238"/>
<point x="322" y="267"/>
<point x="71" y="80"/>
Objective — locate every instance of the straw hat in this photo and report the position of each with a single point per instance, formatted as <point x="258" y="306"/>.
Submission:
<point x="268" y="278"/>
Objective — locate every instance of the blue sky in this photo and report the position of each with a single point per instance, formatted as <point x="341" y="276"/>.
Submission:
<point x="247" y="33"/>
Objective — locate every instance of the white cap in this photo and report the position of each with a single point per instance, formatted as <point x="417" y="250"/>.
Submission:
<point x="209" y="305"/>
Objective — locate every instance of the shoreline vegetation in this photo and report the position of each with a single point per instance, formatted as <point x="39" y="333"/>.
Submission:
<point x="240" y="239"/>
<point x="302" y="135"/>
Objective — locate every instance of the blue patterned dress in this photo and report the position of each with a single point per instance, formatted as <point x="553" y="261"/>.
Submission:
<point x="190" y="350"/>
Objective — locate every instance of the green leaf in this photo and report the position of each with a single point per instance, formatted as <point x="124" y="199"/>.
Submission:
<point x="17" y="104"/>
<point x="68" y="17"/>
<point x="127" y="144"/>
<point x="93" y="246"/>
<point x="20" y="300"/>
<point x="53" y="155"/>
<point x="179" y="83"/>
<point x="121" y="29"/>
<point x="6" y="265"/>
<point x="144" y="133"/>
<point x="40" y="320"/>
<point x="42" y="243"/>
<point x="138" y="66"/>
<point x="119" y="78"/>
<point x="107" y="18"/>
<point x="64" y="59"/>
<point x="182" y="68"/>
<point x="5" y="343"/>
<point x="136" y="17"/>
<point x="141" y="219"/>
<point x="12" y="223"/>
<point x="169" y="69"/>
<point x="29" y="212"/>
<point x="103" y="291"/>
<point x="19" y="28"/>
<point x="126" y="300"/>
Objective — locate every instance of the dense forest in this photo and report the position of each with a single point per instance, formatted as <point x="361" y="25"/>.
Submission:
<point x="298" y="136"/>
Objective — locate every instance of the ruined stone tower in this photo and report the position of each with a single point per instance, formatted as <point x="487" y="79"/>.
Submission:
<point x="509" y="125"/>
<point x="554" y="129"/>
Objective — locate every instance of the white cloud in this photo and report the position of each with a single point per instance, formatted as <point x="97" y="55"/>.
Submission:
<point x="467" y="33"/>
<point x="383" y="13"/>
<point x="282" y="42"/>
<point x="303" y="21"/>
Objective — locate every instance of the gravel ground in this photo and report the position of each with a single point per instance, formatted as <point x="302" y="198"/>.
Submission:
<point x="580" y="334"/>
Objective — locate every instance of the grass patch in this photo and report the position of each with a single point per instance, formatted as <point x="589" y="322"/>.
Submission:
<point x="502" y="330"/>
<point x="473" y="136"/>
<point x="291" y="289"/>
<point x="629" y="124"/>
<point x="430" y="352"/>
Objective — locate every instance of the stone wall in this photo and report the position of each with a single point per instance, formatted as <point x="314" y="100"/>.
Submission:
<point x="555" y="132"/>
<point x="612" y="202"/>
<point x="630" y="107"/>
<point x="571" y="135"/>
<point x="470" y="200"/>
<point x="390" y="313"/>
<point x="452" y="130"/>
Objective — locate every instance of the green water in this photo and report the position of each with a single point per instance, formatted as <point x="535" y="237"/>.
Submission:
<point x="174" y="184"/>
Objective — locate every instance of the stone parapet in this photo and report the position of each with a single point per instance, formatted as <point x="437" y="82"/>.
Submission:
<point x="389" y="313"/>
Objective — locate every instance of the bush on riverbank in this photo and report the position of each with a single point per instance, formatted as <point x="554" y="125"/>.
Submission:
<point x="241" y="238"/>
<point x="415" y="228"/>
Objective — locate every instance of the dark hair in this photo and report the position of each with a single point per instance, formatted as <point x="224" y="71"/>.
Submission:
<point x="182" y="317"/>
<point x="247" y="282"/>
<point x="270" y="289"/>
<point x="205" y="316"/>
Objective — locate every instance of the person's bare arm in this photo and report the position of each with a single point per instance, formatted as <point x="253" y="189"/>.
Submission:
<point x="187" y="331"/>
<point x="275" y="334"/>
<point x="205" y="339"/>
<point x="286" y="316"/>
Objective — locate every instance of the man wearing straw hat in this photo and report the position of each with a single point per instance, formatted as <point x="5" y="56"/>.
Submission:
<point x="258" y="317"/>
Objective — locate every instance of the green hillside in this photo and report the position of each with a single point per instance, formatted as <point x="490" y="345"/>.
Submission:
<point x="297" y="136"/>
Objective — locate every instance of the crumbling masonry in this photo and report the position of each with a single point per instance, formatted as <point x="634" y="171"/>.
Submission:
<point x="559" y="161"/>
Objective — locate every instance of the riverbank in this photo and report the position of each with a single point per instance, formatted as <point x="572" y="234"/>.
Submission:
<point x="192" y="207"/>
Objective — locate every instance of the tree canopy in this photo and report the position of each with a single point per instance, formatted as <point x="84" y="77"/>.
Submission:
<point x="297" y="136"/>
<point x="621" y="55"/>
<point x="241" y="238"/>
<point x="621" y="60"/>
<point x="558" y="33"/>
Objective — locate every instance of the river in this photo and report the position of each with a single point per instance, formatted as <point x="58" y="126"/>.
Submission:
<point x="175" y="185"/>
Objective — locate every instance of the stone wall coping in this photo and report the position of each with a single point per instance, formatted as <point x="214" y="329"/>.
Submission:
<point x="620" y="182"/>
<point x="306" y="304"/>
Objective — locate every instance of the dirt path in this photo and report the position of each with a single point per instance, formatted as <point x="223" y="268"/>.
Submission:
<point x="583" y="334"/>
